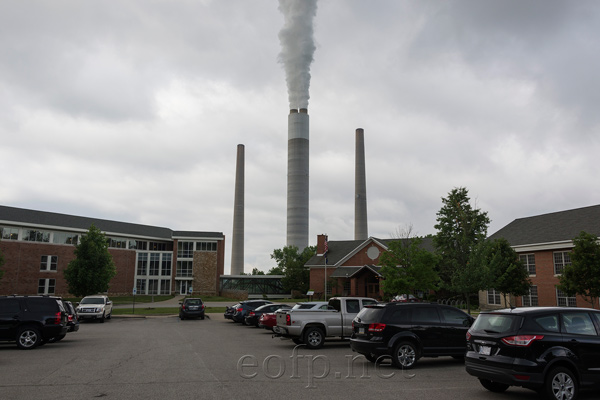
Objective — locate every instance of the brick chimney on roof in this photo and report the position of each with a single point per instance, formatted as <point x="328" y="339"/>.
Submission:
<point x="321" y="239"/>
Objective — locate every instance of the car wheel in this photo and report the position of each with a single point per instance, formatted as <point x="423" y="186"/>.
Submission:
<point x="102" y="318"/>
<point x="405" y="355"/>
<point x="561" y="384"/>
<point x="202" y="316"/>
<point x="314" y="338"/>
<point x="495" y="387"/>
<point x="28" y="337"/>
<point x="109" y="316"/>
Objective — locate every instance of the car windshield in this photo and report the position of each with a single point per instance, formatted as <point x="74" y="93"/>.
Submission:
<point x="496" y="323"/>
<point x="193" y="302"/>
<point x="92" y="300"/>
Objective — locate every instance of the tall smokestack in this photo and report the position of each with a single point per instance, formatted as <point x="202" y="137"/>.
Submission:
<point x="297" y="49"/>
<point x="360" y="186"/>
<point x="237" y="238"/>
<point x="297" y="183"/>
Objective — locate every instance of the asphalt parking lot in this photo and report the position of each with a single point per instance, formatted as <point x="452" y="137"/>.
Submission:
<point x="165" y="358"/>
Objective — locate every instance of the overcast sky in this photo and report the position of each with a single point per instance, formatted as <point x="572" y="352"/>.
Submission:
<point x="133" y="110"/>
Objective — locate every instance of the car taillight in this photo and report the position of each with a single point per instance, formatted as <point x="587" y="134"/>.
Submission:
<point x="376" y="327"/>
<point x="58" y="318"/>
<point x="288" y="319"/>
<point x="252" y="314"/>
<point x="203" y="306"/>
<point x="240" y="309"/>
<point x="521" y="340"/>
<point x="183" y="307"/>
<point x="70" y="318"/>
<point x="468" y="336"/>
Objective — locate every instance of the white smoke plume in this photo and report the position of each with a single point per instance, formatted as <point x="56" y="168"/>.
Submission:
<point x="298" y="47"/>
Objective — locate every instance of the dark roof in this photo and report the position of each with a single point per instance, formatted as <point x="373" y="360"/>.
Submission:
<point x="338" y="249"/>
<point x="553" y="227"/>
<point x="16" y="216"/>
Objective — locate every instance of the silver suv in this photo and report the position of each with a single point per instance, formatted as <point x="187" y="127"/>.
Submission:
<point x="94" y="307"/>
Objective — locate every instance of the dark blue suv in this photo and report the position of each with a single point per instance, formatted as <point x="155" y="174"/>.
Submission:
<point x="552" y="350"/>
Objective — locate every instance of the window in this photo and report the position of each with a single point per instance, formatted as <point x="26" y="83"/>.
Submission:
<point x="65" y="238"/>
<point x="140" y="286"/>
<point x="493" y="297"/>
<point x="425" y="315"/>
<point x="32" y="235"/>
<point x="184" y="269"/>
<point x="154" y="263"/>
<point x="454" y="317"/>
<point x="206" y="246"/>
<point x="185" y="249"/>
<point x="531" y="299"/>
<point x="548" y="322"/>
<point x="138" y="244"/>
<point x="352" y="306"/>
<point x="528" y="261"/>
<point x="347" y="287"/>
<point x="166" y="264"/>
<point x="563" y="300"/>
<point x="48" y="263"/>
<point x="46" y="286"/>
<point x="165" y="286"/>
<point x="561" y="260"/>
<point x="8" y="233"/>
<point x="160" y="246"/>
<point x="578" y="323"/>
<point x="118" y="243"/>
<point x="152" y="286"/>
<point x="142" y="263"/>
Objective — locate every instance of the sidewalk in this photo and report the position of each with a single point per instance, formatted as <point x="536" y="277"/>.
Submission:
<point x="174" y="302"/>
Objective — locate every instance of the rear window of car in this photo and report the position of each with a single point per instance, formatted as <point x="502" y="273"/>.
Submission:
<point x="44" y="305"/>
<point x="193" y="302"/>
<point x="496" y="323"/>
<point x="371" y="314"/>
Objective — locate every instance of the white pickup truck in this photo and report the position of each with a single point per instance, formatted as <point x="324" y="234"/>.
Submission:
<point x="310" y="327"/>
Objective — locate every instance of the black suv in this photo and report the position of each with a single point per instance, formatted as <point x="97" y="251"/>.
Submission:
<point x="553" y="350"/>
<point x="244" y="308"/>
<point x="31" y="320"/>
<point x="407" y="331"/>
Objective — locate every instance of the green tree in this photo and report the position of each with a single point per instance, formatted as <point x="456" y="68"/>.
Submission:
<point x="460" y="227"/>
<point x="475" y="276"/>
<point x="93" y="267"/>
<point x="256" y="271"/>
<point x="407" y="267"/>
<point x="291" y="261"/>
<point x="583" y="275"/>
<point x="507" y="273"/>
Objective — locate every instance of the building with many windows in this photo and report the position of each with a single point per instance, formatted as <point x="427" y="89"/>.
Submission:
<point x="37" y="247"/>
<point x="544" y="244"/>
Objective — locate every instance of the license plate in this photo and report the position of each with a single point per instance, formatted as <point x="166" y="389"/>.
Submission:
<point x="361" y="331"/>
<point x="193" y="308"/>
<point x="485" y="350"/>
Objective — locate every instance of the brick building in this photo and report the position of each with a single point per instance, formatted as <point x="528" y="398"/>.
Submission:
<point x="544" y="244"/>
<point x="37" y="247"/>
<point x="352" y="266"/>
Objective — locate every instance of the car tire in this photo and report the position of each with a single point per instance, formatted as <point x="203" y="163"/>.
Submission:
<point x="314" y="338"/>
<point x="492" y="386"/>
<point x="102" y="318"/>
<point x="28" y="337"/>
<point x="405" y="355"/>
<point x="202" y="316"/>
<point x="561" y="383"/>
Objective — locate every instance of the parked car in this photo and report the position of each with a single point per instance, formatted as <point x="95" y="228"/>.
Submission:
<point x="406" y="298"/>
<point x="553" y="350"/>
<point x="95" y="307"/>
<point x="191" y="308"/>
<point x="254" y="315"/>
<point x="311" y="305"/>
<point x="72" y="322"/>
<point x="31" y="320"/>
<point x="311" y="327"/>
<point x="242" y="309"/>
<point x="230" y="310"/>
<point x="267" y="321"/>
<point x="408" y="331"/>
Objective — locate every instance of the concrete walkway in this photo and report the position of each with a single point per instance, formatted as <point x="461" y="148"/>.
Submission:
<point x="174" y="302"/>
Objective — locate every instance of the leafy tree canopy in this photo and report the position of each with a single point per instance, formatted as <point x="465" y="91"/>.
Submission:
<point x="583" y="275"/>
<point x="407" y="267"/>
<point x="460" y="226"/>
<point x="291" y="262"/>
<point x="256" y="271"/>
<point x="93" y="267"/>
<point x="507" y="273"/>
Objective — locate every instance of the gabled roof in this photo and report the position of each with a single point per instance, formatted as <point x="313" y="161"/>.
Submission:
<point x="340" y="250"/>
<point x="554" y="227"/>
<point x="349" y="272"/>
<point x="50" y="220"/>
